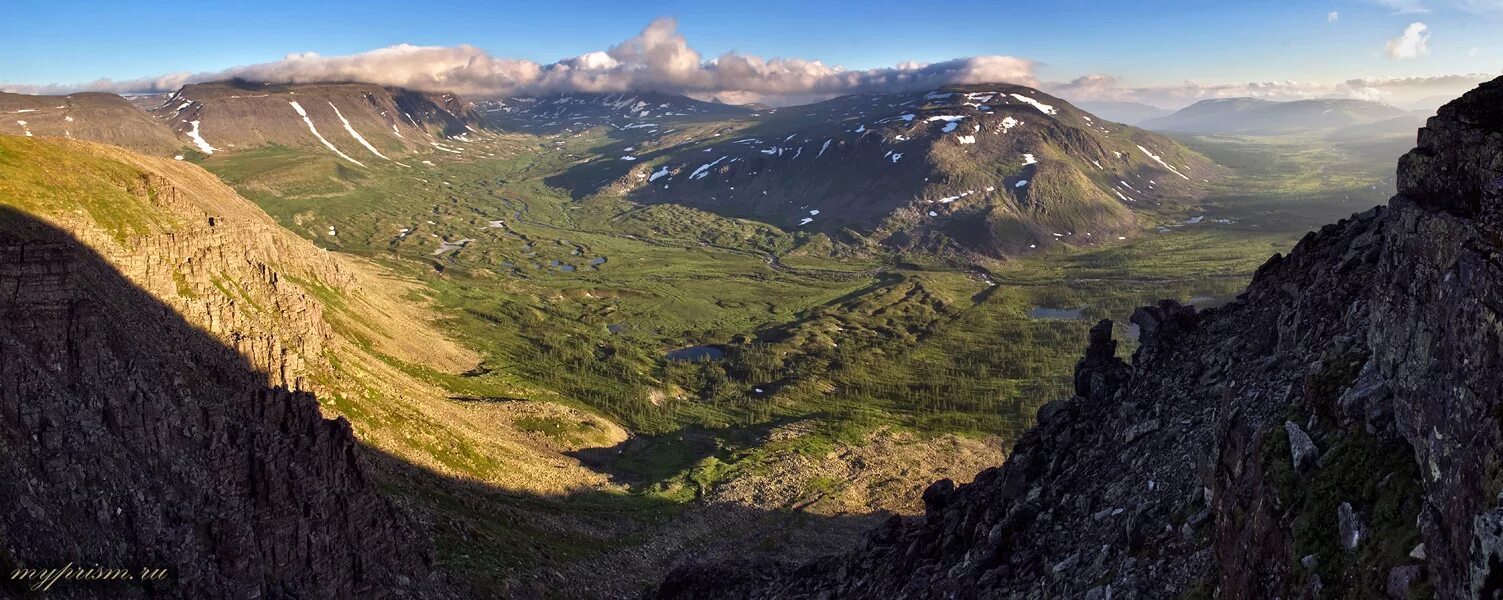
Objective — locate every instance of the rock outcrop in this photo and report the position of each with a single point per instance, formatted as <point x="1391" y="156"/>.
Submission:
<point x="1377" y="339"/>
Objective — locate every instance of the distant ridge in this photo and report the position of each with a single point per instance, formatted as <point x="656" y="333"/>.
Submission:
<point x="1128" y="113"/>
<point x="358" y="122"/>
<point x="1252" y="116"/>
<point x="91" y="116"/>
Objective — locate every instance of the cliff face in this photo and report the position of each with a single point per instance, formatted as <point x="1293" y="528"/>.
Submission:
<point x="1335" y="432"/>
<point x="155" y="354"/>
<point x="131" y="439"/>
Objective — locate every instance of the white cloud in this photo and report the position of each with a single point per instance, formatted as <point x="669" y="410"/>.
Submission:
<point x="1414" y="42"/>
<point x="1404" y="6"/>
<point x="1480" y="6"/>
<point x="657" y="59"/>
<point x="1333" y="16"/>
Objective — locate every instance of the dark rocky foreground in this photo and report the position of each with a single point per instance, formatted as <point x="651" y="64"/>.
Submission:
<point x="1335" y="432"/>
<point x="131" y="439"/>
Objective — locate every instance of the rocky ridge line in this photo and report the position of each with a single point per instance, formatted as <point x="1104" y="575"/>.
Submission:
<point x="1334" y="431"/>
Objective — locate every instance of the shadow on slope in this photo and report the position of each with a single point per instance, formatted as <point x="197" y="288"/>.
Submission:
<point x="130" y="438"/>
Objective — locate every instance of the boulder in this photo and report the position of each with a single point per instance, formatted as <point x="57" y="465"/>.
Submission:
<point x="1302" y="450"/>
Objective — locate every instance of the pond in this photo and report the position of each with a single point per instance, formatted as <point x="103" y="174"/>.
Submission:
<point x="694" y="354"/>
<point x="1070" y="314"/>
<point x="1204" y="302"/>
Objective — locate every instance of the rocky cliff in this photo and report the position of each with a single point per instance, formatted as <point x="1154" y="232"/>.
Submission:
<point x="1334" y="432"/>
<point x="159" y="338"/>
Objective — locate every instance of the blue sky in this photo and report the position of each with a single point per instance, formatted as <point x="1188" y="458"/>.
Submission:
<point x="1142" y="43"/>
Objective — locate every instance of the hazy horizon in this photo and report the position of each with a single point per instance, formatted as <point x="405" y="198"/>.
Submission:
<point x="1401" y="52"/>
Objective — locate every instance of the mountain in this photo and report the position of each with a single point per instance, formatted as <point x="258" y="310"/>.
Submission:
<point x="579" y="111"/>
<point x="357" y="122"/>
<point x="1323" y="435"/>
<point x="90" y="116"/>
<point x="147" y="102"/>
<point x="1250" y="116"/>
<point x="1130" y="113"/>
<point x="991" y="169"/>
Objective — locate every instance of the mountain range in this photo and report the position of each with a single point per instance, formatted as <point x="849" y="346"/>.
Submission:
<point x="170" y="352"/>
<point x="990" y="170"/>
<point x="577" y="111"/>
<point x="984" y="170"/>
<point x="1130" y="113"/>
<point x="1251" y="116"/>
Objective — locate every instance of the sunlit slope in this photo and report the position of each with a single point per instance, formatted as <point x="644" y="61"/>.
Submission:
<point x="347" y="330"/>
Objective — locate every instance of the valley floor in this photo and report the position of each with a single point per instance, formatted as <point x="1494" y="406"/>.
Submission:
<point x="847" y="380"/>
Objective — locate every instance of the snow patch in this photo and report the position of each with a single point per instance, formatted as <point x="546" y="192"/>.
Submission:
<point x="951" y="121"/>
<point x="1156" y="159"/>
<point x="705" y="168"/>
<point x="1043" y="108"/>
<point x="304" y="114"/>
<point x="356" y="134"/>
<point x="198" y="140"/>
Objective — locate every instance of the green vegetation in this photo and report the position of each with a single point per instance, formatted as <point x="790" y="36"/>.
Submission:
<point x="41" y="178"/>
<point x="1381" y="481"/>
<point x="582" y="297"/>
<point x="575" y="298"/>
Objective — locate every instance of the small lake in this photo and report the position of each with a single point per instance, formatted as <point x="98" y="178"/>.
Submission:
<point x="1204" y="302"/>
<point x="694" y="354"/>
<point x="1069" y="314"/>
<point x="447" y="246"/>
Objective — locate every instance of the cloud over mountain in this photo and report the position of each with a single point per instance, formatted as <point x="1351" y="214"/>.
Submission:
<point x="661" y="59"/>
<point x="657" y="59"/>
<point x="1407" y="92"/>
